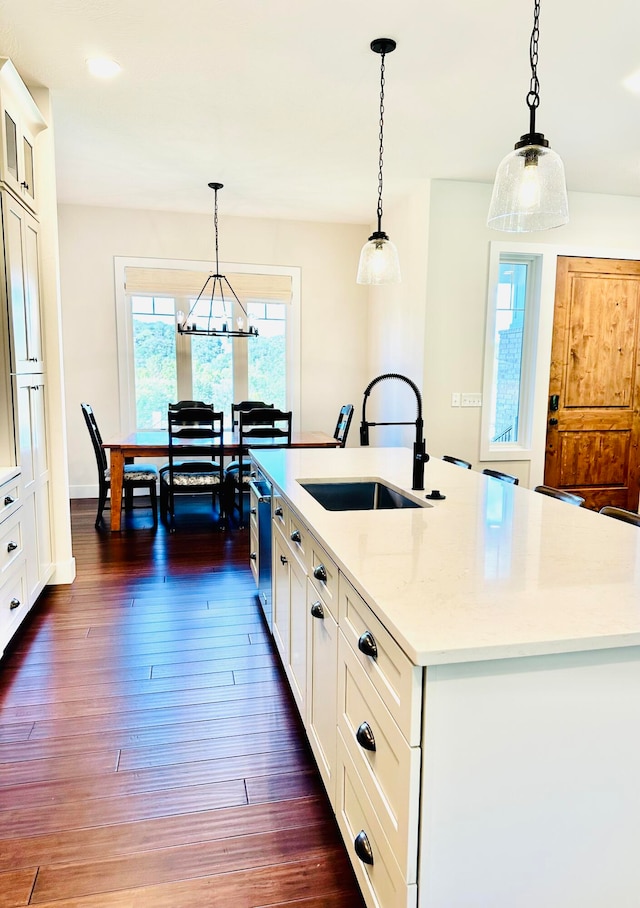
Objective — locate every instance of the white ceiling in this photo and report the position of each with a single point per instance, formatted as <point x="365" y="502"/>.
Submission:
<point x="278" y="99"/>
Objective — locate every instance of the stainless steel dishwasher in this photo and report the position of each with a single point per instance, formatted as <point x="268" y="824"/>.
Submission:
<point x="260" y="489"/>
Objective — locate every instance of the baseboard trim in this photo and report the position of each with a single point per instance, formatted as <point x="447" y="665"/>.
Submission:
<point x="64" y="572"/>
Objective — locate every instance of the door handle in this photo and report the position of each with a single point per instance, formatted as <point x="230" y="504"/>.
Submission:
<point x="553" y="421"/>
<point x="554" y="402"/>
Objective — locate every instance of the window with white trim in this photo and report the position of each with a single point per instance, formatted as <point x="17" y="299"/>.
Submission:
<point x="158" y="365"/>
<point x="510" y="353"/>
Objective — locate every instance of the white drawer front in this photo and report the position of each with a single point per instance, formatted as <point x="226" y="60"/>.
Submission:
<point x="11" y="542"/>
<point x="299" y="540"/>
<point x="279" y="511"/>
<point x="13" y="604"/>
<point x="322" y="679"/>
<point x="388" y="767"/>
<point x="9" y="497"/>
<point x="393" y="675"/>
<point x="324" y="574"/>
<point x="381" y="882"/>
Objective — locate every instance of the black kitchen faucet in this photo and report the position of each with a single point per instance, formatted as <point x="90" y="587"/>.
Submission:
<point x="420" y="456"/>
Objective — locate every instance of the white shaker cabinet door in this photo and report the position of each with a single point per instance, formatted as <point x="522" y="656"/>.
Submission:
<point x="21" y="252"/>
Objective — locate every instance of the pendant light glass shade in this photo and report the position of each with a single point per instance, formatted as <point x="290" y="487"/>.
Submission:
<point x="529" y="193"/>
<point x="379" y="262"/>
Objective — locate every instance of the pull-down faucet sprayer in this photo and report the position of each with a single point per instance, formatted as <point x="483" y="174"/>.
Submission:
<point x="420" y="456"/>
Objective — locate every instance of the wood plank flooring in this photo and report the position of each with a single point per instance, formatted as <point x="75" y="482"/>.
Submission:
<point x="150" y="752"/>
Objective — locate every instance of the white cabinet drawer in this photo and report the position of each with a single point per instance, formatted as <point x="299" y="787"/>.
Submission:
<point x="279" y="510"/>
<point x="393" y="675"/>
<point x="388" y="767"/>
<point x="13" y="604"/>
<point x="299" y="539"/>
<point x="324" y="573"/>
<point x="381" y="881"/>
<point x="10" y="498"/>
<point x="322" y="678"/>
<point x="11" y="543"/>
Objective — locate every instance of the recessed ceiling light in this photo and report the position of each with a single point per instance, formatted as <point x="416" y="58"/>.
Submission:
<point x="632" y="82"/>
<point x="102" y="67"/>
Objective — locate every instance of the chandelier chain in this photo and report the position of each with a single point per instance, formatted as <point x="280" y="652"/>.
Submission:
<point x="533" y="96"/>
<point x="380" y="157"/>
<point x="215" y="226"/>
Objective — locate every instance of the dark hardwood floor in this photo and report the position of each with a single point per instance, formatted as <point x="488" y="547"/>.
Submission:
<point x="150" y="753"/>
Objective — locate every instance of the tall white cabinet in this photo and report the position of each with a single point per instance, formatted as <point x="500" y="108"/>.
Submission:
<point x="23" y="397"/>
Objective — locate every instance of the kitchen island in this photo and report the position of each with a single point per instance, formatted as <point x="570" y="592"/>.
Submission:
<point x="484" y="749"/>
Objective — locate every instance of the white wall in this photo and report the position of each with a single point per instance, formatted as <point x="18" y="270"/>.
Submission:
<point x="397" y="321"/>
<point x="333" y="308"/>
<point x="602" y="226"/>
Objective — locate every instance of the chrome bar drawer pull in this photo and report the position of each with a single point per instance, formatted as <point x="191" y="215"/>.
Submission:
<point x="367" y="645"/>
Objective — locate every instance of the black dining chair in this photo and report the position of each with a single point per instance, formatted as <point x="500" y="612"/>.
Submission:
<point x="504" y="477"/>
<point x="244" y="405"/>
<point x="195" y="458"/>
<point x="561" y="495"/>
<point x="457" y="461"/>
<point x="621" y="514"/>
<point x="342" y="426"/>
<point x="263" y="427"/>
<point x="136" y="476"/>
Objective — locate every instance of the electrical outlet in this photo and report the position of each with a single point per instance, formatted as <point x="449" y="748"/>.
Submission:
<point x="455" y="399"/>
<point x="469" y="399"/>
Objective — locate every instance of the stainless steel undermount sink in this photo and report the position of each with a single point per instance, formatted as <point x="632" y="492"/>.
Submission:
<point x="358" y="495"/>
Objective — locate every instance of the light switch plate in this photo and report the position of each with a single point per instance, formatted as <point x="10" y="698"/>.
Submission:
<point x="471" y="399"/>
<point x="455" y="398"/>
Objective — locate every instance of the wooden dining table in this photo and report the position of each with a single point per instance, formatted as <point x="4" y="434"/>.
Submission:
<point x="156" y="444"/>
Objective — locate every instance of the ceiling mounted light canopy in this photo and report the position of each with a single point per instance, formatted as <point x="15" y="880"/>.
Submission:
<point x="379" y="257"/>
<point x="103" y="67"/>
<point x="212" y="313"/>
<point x="530" y="192"/>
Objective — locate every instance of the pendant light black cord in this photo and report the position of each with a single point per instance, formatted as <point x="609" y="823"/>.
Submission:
<point x="380" y="156"/>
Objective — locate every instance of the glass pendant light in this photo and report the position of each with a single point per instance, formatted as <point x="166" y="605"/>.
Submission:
<point x="379" y="257"/>
<point x="530" y="192"/>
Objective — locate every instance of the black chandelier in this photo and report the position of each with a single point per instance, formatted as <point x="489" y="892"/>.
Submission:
<point x="216" y="322"/>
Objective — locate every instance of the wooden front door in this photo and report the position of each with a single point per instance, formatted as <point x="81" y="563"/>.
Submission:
<point x="593" y="419"/>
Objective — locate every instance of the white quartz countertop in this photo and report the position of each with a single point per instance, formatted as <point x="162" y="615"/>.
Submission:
<point x="493" y="571"/>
